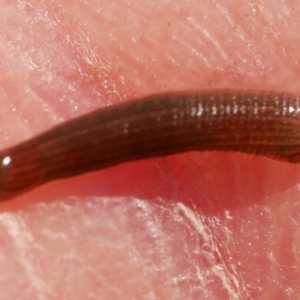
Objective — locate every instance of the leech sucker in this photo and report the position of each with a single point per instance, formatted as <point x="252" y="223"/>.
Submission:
<point x="260" y="123"/>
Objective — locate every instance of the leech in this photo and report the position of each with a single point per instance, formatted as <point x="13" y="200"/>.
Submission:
<point x="260" y="123"/>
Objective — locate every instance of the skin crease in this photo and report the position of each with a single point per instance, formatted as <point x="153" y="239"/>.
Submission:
<point x="195" y="226"/>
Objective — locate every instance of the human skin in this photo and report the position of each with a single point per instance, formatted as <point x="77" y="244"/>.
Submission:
<point x="190" y="226"/>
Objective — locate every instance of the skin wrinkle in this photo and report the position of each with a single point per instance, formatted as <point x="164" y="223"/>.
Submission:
<point x="219" y="269"/>
<point x="22" y="238"/>
<point x="176" y="215"/>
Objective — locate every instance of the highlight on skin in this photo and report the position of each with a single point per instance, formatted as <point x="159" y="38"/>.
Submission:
<point x="260" y="123"/>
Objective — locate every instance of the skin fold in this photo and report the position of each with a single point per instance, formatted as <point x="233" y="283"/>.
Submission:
<point x="192" y="226"/>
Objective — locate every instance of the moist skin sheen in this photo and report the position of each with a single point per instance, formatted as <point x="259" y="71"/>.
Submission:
<point x="260" y="123"/>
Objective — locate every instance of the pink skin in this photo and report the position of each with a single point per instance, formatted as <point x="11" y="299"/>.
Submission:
<point x="192" y="226"/>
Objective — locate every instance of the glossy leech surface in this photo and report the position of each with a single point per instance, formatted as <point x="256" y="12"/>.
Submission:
<point x="260" y="123"/>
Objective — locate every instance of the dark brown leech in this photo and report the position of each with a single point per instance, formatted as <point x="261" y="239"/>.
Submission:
<point x="260" y="123"/>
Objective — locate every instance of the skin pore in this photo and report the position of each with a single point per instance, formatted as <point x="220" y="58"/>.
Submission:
<point x="193" y="226"/>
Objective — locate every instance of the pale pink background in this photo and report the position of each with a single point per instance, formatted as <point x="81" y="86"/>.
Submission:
<point x="192" y="226"/>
